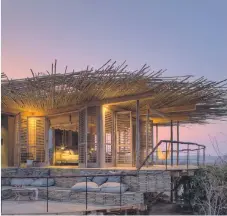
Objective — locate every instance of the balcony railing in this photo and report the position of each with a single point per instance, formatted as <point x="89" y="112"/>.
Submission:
<point x="175" y="154"/>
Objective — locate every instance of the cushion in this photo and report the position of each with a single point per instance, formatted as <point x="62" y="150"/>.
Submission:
<point x="83" y="179"/>
<point x="42" y="182"/>
<point x="114" y="178"/>
<point x="22" y="181"/>
<point x="113" y="187"/>
<point x="99" y="180"/>
<point x="6" y="182"/>
<point x="81" y="187"/>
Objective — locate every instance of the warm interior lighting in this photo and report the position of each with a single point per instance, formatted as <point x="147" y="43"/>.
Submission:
<point x="31" y="131"/>
<point x="32" y="136"/>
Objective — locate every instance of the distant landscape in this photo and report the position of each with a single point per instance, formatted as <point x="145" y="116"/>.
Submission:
<point x="209" y="159"/>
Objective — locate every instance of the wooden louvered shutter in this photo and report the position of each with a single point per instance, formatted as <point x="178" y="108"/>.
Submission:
<point x="145" y="142"/>
<point x="108" y="137"/>
<point x="23" y="136"/>
<point x="36" y="138"/>
<point x="124" y="139"/>
<point x="92" y="136"/>
<point x="17" y="141"/>
<point x="83" y="138"/>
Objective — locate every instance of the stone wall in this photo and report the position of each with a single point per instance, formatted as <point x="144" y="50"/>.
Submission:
<point x="145" y="181"/>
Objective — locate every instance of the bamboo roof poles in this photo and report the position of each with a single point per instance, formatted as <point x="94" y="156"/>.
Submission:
<point x="180" y="98"/>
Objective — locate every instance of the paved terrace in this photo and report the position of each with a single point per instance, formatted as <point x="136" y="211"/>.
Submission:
<point x="40" y="207"/>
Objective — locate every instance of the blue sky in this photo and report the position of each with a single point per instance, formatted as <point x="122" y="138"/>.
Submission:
<point x="184" y="37"/>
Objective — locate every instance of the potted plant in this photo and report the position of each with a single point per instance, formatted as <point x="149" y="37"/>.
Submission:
<point x="30" y="159"/>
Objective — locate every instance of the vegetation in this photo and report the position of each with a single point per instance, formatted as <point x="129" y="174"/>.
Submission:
<point x="206" y="192"/>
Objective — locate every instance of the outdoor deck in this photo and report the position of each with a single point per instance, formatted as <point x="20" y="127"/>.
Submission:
<point x="155" y="167"/>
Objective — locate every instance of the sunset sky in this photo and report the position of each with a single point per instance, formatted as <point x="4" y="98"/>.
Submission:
<point x="184" y="37"/>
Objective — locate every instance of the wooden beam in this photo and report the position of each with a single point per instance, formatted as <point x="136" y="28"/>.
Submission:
<point x="186" y="108"/>
<point x="165" y="120"/>
<point x="9" y="111"/>
<point x="110" y="101"/>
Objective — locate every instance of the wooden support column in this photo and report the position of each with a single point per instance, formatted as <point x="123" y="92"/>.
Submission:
<point x="137" y="134"/>
<point x="156" y="141"/>
<point x="171" y="139"/>
<point x="172" y="182"/>
<point x="11" y="140"/>
<point x="98" y="131"/>
<point x="147" y="125"/>
<point x="46" y="143"/>
<point x="54" y="147"/>
<point x="86" y="134"/>
<point x="102" y="138"/>
<point x="178" y="139"/>
<point x="152" y="141"/>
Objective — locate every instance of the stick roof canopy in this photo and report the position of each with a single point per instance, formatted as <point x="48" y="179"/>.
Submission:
<point x="167" y="97"/>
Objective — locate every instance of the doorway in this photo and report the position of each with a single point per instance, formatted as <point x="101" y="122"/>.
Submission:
<point x="66" y="147"/>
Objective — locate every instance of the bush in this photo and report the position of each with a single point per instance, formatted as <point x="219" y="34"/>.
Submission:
<point x="206" y="191"/>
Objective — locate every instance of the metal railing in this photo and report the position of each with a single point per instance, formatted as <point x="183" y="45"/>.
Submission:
<point x="47" y="191"/>
<point x="175" y="153"/>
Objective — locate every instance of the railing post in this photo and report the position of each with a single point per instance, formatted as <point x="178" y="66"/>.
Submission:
<point x="171" y="143"/>
<point x="120" y="191"/>
<point x="187" y="155"/>
<point x="171" y="194"/>
<point x="152" y="141"/>
<point x="198" y="154"/>
<point x="47" y="195"/>
<point x="203" y="156"/>
<point x="166" y="155"/>
<point x="1" y="195"/>
<point x="86" y="195"/>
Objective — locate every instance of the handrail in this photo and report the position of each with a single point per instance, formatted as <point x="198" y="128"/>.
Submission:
<point x="168" y="141"/>
<point x="132" y="173"/>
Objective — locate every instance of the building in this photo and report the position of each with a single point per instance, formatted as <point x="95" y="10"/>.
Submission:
<point x="103" y="118"/>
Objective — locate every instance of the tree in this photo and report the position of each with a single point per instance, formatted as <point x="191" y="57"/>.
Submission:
<point x="208" y="191"/>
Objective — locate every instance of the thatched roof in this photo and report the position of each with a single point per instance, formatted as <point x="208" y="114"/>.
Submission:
<point x="54" y="92"/>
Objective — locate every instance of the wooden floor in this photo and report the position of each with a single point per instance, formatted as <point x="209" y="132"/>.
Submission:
<point x="155" y="167"/>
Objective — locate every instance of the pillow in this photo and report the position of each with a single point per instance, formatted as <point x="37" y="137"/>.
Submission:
<point x="83" y="179"/>
<point x="81" y="187"/>
<point x="42" y="182"/>
<point x="99" y="180"/>
<point x="113" y="187"/>
<point x="114" y="178"/>
<point x="6" y="182"/>
<point x="20" y="181"/>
